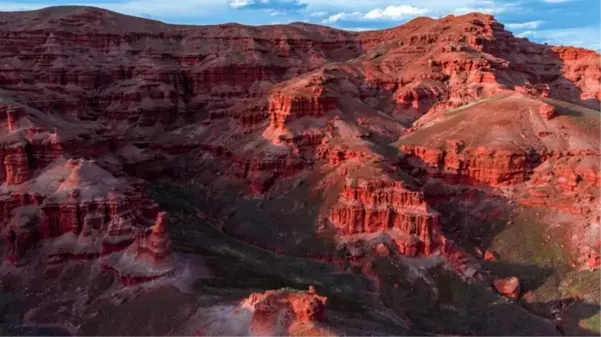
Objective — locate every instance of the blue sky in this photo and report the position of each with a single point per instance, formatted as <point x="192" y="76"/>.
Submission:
<point x="558" y="22"/>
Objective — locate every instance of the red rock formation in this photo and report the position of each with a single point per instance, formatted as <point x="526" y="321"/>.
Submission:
<point x="77" y="210"/>
<point x="285" y="312"/>
<point x="260" y="171"/>
<point x="16" y="166"/>
<point x="371" y="206"/>
<point x="156" y="246"/>
<point x="566" y="181"/>
<point x="490" y="256"/>
<point x="589" y="258"/>
<point x="485" y="166"/>
<point x="547" y="111"/>
<point x="283" y="108"/>
<point x="147" y="258"/>
<point x="572" y="53"/>
<point x="508" y="287"/>
<point x="382" y="251"/>
<point x="581" y="67"/>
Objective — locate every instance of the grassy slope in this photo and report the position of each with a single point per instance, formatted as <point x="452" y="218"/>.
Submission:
<point x="523" y="243"/>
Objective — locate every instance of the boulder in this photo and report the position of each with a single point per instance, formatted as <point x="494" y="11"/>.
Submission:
<point x="508" y="287"/>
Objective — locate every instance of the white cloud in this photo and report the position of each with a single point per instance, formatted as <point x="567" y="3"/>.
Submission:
<point x="266" y="4"/>
<point x="555" y="1"/>
<point x="389" y="13"/>
<point x="526" y="33"/>
<point x="484" y="10"/>
<point x="488" y="7"/>
<point x="318" y="14"/>
<point x="524" y="25"/>
<point x="394" y="12"/>
<point x="241" y="3"/>
<point x="364" y="6"/>
<point x="275" y="12"/>
<point x="343" y="16"/>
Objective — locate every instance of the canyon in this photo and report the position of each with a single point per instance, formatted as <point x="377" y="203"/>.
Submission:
<point x="438" y="169"/>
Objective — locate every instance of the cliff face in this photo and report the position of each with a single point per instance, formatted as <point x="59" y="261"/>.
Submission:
<point x="77" y="210"/>
<point x="283" y="108"/>
<point x="149" y="73"/>
<point x="479" y="166"/>
<point x="378" y="206"/>
<point x="55" y="208"/>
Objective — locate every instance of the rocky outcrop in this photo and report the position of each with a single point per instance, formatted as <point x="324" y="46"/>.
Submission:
<point x="19" y="235"/>
<point x="580" y="67"/>
<point x="77" y="210"/>
<point x="566" y="181"/>
<point x="147" y="258"/>
<point x="16" y="165"/>
<point x="547" y="111"/>
<point x="482" y="165"/>
<point x="589" y="258"/>
<point x="284" y="108"/>
<point x="285" y="313"/>
<point x="570" y="54"/>
<point x="490" y="256"/>
<point x="34" y="140"/>
<point x="144" y="102"/>
<point x="508" y="287"/>
<point x="373" y="206"/>
<point x="334" y="155"/>
<point x="414" y="102"/>
<point x="155" y="245"/>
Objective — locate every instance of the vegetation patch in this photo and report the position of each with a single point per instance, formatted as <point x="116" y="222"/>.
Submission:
<point x="531" y="253"/>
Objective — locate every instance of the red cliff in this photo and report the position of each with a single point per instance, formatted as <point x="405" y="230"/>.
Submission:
<point x="77" y="210"/>
<point x="376" y="206"/>
<point x="485" y="166"/>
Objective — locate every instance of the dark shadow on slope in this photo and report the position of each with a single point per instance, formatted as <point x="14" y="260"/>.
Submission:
<point x="475" y="217"/>
<point x="239" y="266"/>
<point x="284" y="223"/>
<point x="448" y="305"/>
<point x="567" y="313"/>
<point x="13" y="307"/>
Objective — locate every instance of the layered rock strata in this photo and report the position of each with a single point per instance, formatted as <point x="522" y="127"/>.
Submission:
<point x="367" y="206"/>
<point x="492" y="167"/>
<point x="77" y="210"/>
<point x="284" y="108"/>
